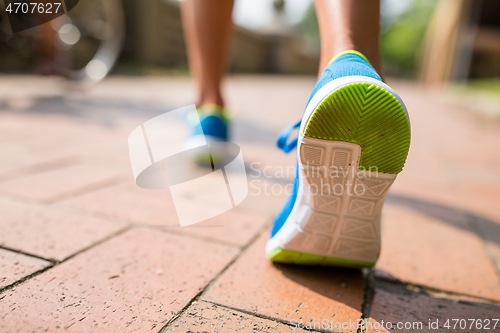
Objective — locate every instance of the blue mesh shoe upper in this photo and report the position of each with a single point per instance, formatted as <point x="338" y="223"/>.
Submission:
<point x="213" y="124"/>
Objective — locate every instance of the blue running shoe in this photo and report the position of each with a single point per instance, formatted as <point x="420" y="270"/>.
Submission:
<point x="213" y="128"/>
<point x="353" y="140"/>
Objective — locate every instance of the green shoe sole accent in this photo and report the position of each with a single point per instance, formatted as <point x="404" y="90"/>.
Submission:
<point x="367" y="115"/>
<point x="350" y="52"/>
<point x="292" y="257"/>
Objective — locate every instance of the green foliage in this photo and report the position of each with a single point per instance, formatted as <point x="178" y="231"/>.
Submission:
<point x="308" y="27"/>
<point x="402" y="39"/>
<point x="491" y="86"/>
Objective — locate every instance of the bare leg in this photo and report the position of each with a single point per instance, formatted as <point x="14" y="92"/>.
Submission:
<point x="208" y="28"/>
<point x="349" y="25"/>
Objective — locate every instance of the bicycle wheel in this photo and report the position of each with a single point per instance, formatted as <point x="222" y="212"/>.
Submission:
<point x="91" y="35"/>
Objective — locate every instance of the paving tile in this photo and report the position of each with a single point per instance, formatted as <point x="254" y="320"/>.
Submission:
<point x="452" y="157"/>
<point x="234" y="227"/>
<point x="489" y="230"/>
<point x="15" y="266"/>
<point x="289" y="292"/>
<point x="134" y="282"/>
<point x="32" y="142"/>
<point x="35" y="128"/>
<point x="265" y="197"/>
<point x="207" y="317"/>
<point x="413" y="309"/>
<point x="155" y="207"/>
<point x="48" y="232"/>
<point x="480" y="203"/>
<point x="253" y="89"/>
<point x="61" y="182"/>
<point x="431" y="252"/>
<point x="484" y="219"/>
<point x="23" y="160"/>
<point x="130" y="202"/>
<point x="270" y="174"/>
<point x="494" y="252"/>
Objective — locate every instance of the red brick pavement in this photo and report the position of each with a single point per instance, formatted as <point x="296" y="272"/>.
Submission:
<point x="83" y="249"/>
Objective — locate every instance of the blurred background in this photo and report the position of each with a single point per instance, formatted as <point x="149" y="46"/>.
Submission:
<point x="433" y="41"/>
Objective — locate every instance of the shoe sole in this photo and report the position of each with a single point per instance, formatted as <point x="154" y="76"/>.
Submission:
<point x="353" y="141"/>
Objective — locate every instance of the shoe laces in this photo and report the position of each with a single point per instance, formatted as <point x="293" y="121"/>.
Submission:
<point x="283" y="142"/>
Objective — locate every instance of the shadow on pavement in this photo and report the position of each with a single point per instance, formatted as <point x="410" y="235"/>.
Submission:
<point x="339" y="284"/>
<point x="395" y="303"/>
<point x="106" y="112"/>
<point x="483" y="227"/>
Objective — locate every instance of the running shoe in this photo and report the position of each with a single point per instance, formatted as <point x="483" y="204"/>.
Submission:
<point x="212" y="128"/>
<point x="353" y="140"/>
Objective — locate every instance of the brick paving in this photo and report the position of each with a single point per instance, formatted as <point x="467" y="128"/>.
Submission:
<point x="415" y="307"/>
<point x="83" y="249"/>
<point x="442" y="257"/>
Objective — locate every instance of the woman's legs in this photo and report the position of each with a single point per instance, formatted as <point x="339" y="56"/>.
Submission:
<point x="344" y="25"/>
<point x="349" y="25"/>
<point x="208" y="28"/>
